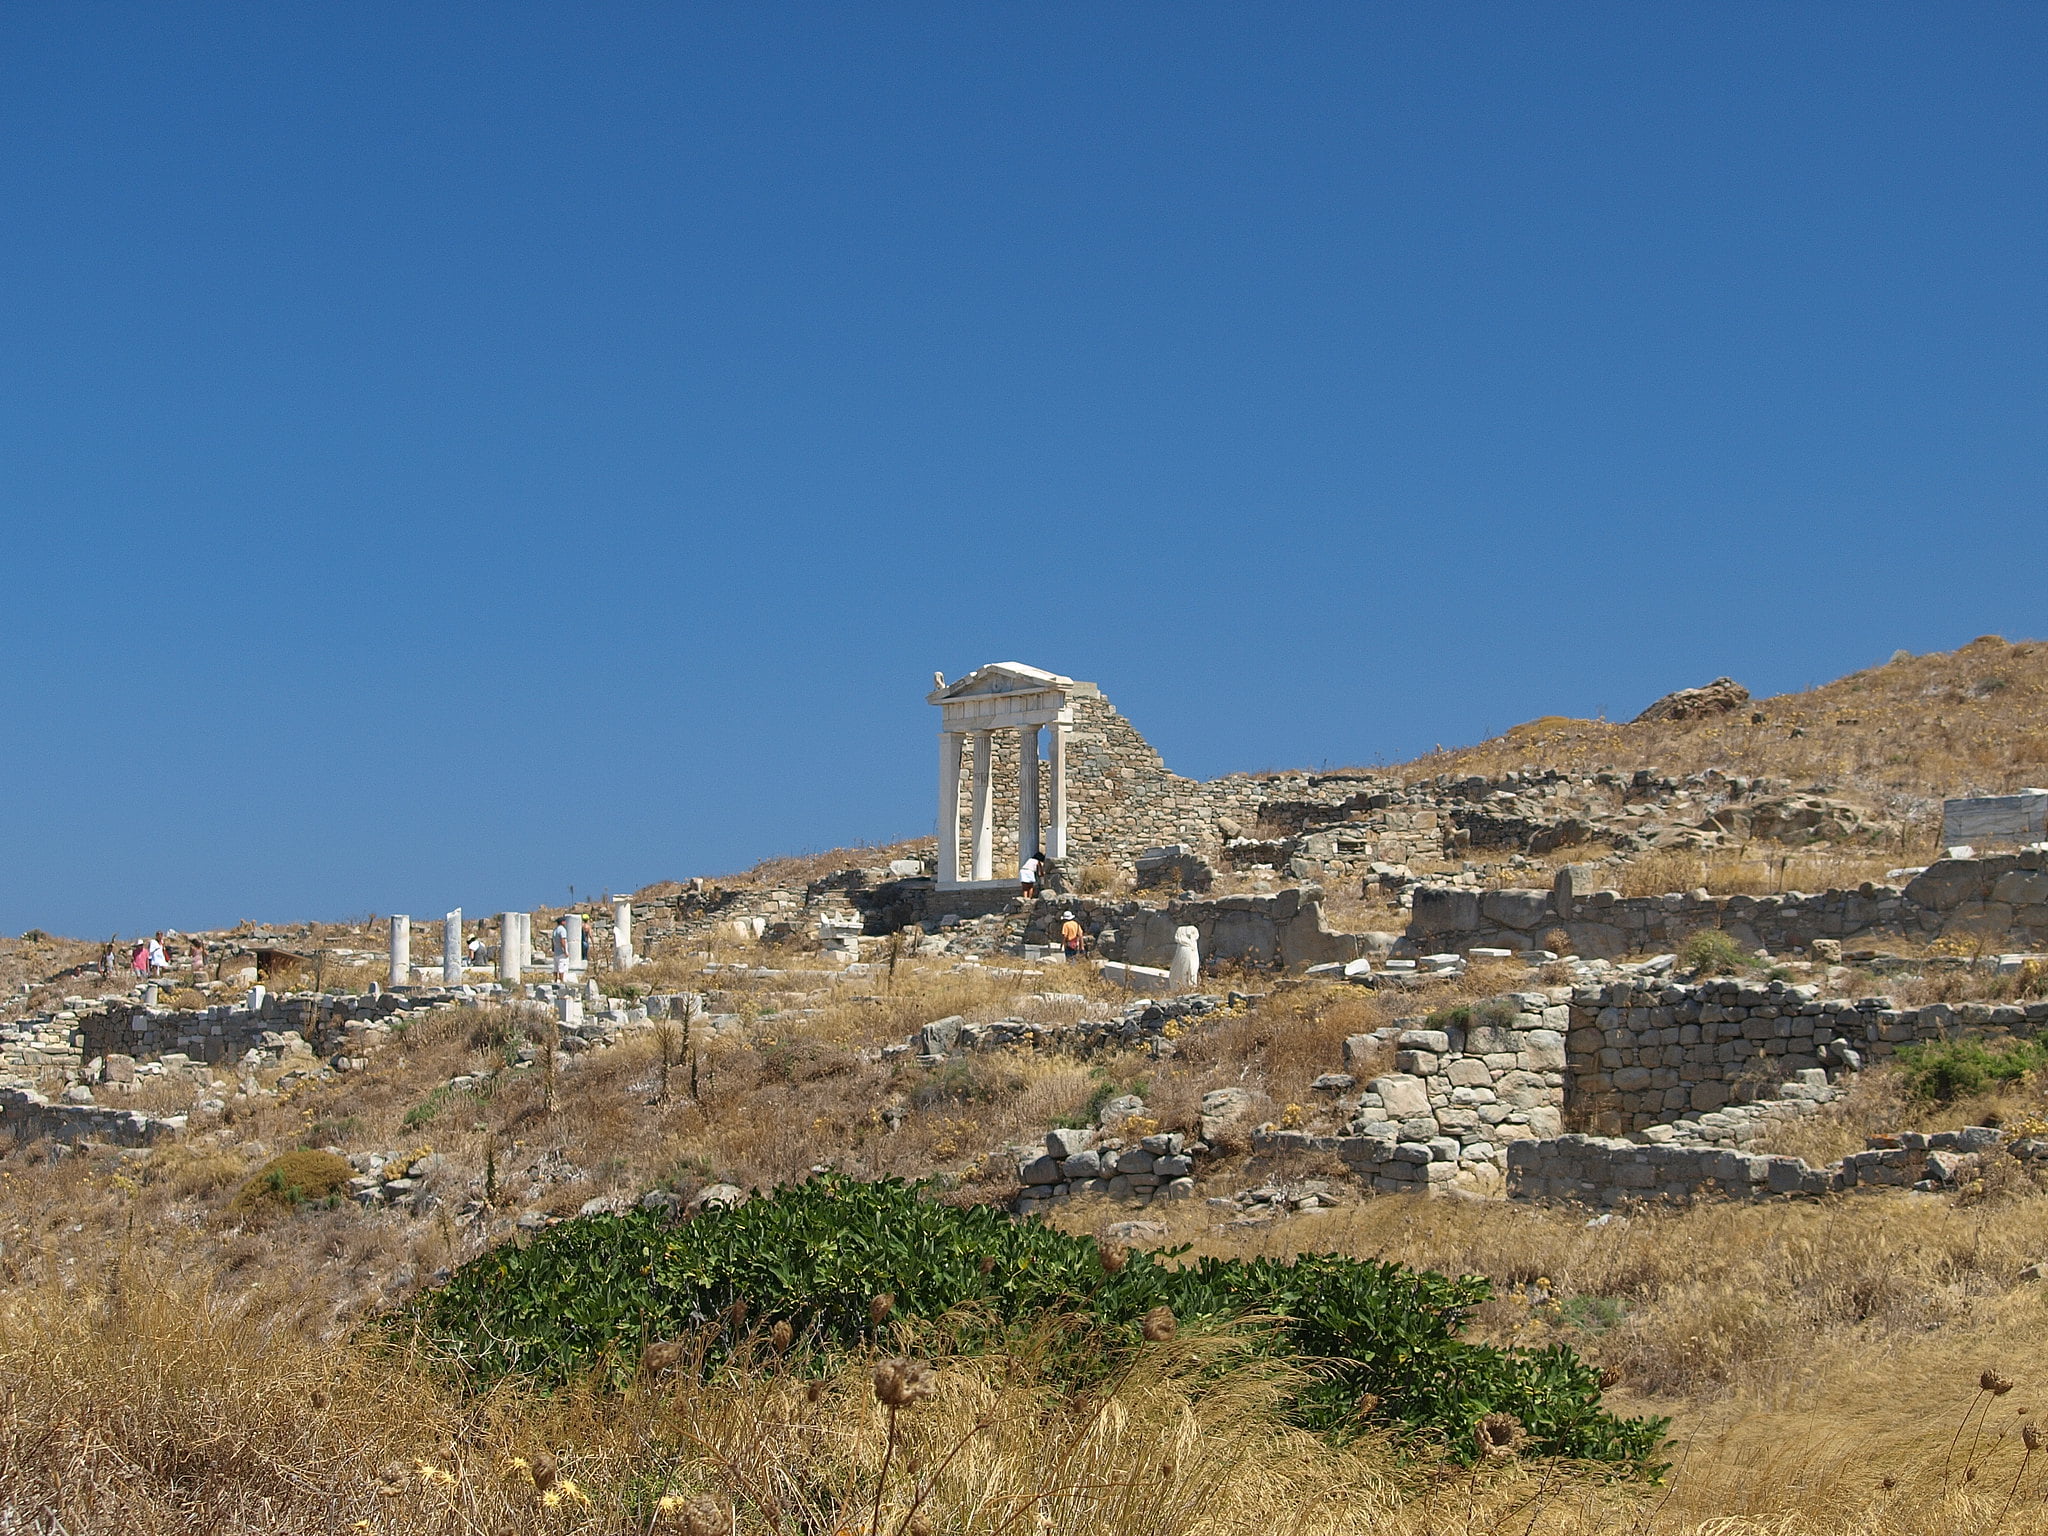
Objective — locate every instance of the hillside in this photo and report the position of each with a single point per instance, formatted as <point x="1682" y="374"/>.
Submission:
<point x="1904" y="735"/>
<point x="255" y="1321"/>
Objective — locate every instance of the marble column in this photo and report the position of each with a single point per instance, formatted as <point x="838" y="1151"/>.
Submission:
<point x="1027" y="792"/>
<point x="401" y="951"/>
<point x="575" y="923"/>
<point x="949" y="808"/>
<point x="984" y="822"/>
<point x="451" y="949"/>
<point x="622" y="934"/>
<point x="510" y="957"/>
<point x="1056" y="785"/>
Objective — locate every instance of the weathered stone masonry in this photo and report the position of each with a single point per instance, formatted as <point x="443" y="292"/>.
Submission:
<point x="2001" y="899"/>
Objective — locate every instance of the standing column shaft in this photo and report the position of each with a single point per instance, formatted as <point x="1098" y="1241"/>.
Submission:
<point x="949" y="808"/>
<point x="451" y="949"/>
<point x="1056" y="767"/>
<point x="401" y="951"/>
<point x="622" y="935"/>
<point x="509" y="957"/>
<point x="1027" y="792"/>
<point x="984" y="823"/>
<point x="575" y="923"/>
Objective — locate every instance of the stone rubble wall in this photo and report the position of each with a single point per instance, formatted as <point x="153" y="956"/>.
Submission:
<point x="1458" y="1098"/>
<point x="27" y="1116"/>
<point x="1999" y="900"/>
<point x="1083" y="1162"/>
<point x="1609" y="1171"/>
<point x="226" y="1032"/>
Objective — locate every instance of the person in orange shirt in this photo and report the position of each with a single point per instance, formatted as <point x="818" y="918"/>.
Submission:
<point x="1073" y="937"/>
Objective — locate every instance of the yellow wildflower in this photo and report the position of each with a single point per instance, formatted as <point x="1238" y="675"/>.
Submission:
<point x="565" y="1491"/>
<point x="517" y="1467"/>
<point x="435" y="1476"/>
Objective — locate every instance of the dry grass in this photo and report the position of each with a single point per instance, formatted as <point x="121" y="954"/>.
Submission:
<point x="1757" y="869"/>
<point x="1969" y="721"/>
<point x="168" y="1364"/>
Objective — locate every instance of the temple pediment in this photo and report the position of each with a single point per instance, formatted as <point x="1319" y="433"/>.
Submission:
<point x="999" y="677"/>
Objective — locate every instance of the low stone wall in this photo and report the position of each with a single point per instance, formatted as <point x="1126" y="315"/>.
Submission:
<point x="1609" y="1171"/>
<point x="1284" y="929"/>
<point x="27" y="1116"/>
<point x="2000" y="900"/>
<point x="1082" y="1162"/>
<point x="226" y="1032"/>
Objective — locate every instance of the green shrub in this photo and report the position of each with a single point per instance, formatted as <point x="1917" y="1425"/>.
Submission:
<point x="588" y="1295"/>
<point x="1457" y="1016"/>
<point x="304" y="1177"/>
<point x="1946" y="1070"/>
<point x="1710" y="952"/>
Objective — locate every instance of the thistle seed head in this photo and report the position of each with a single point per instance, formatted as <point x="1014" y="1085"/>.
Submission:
<point x="780" y="1337"/>
<point x="1995" y="1384"/>
<point x="902" y="1383"/>
<point x="2030" y="1436"/>
<point x="544" y="1468"/>
<point x="1114" y="1256"/>
<point x="1159" y="1325"/>
<point x="880" y="1308"/>
<point x="706" y="1516"/>
<point x="1500" y="1436"/>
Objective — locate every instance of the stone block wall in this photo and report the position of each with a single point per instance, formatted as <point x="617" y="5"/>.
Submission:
<point x="2000" y="900"/>
<point x="1283" y="929"/>
<point x="1642" y="1054"/>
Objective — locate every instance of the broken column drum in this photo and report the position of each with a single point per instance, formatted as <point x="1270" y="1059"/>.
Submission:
<point x="401" y="951"/>
<point x="451" y="949"/>
<point x="1003" y="696"/>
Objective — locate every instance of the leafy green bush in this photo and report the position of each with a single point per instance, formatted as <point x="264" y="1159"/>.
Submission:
<point x="591" y="1294"/>
<point x="1710" y="952"/>
<point x="1946" y="1070"/>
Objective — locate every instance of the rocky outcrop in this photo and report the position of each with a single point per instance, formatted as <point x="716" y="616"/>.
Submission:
<point x="1722" y="696"/>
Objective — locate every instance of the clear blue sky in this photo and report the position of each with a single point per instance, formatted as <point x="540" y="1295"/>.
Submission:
<point x="449" y="453"/>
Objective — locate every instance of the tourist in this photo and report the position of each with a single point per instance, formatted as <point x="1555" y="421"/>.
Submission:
<point x="1073" y="937"/>
<point x="1050" y="880"/>
<point x="159" y="962"/>
<point x="197" y="959"/>
<point x="1028" y="874"/>
<point x="139" y="961"/>
<point x="559" y="945"/>
<point x="476" y="949"/>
